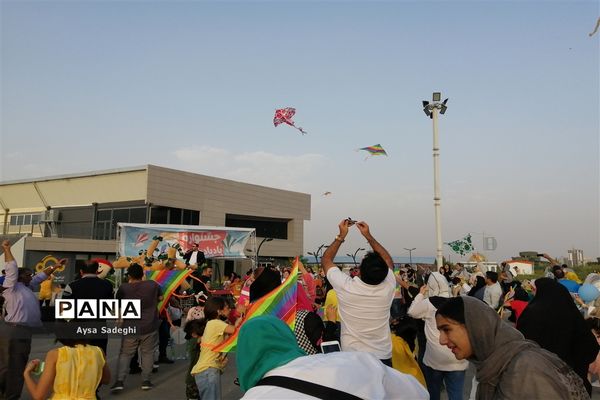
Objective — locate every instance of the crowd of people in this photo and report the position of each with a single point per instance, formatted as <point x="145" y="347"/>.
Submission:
<point x="404" y="332"/>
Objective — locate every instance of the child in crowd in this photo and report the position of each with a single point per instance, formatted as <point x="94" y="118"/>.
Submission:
<point x="210" y="331"/>
<point x="72" y="371"/>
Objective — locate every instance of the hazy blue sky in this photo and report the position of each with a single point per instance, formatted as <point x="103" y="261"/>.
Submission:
<point x="193" y="85"/>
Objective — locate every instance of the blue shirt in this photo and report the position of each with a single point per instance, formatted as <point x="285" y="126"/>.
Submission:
<point x="22" y="305"/>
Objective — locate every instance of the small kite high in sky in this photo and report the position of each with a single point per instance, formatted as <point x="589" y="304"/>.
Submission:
<point x="326" y="194"/>
<point x="375" y="150"/>
<point x="284" y="115"/>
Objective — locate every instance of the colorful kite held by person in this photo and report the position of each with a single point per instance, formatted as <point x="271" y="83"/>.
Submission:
<point x="284" y="115"/>
<point x="280" y="302"/>
<point x="375" y="150"/>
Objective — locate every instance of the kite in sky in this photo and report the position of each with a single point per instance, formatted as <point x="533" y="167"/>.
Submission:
<point x="375" y="150"/>
<point x="596" y="28"/>
<point x="462" y="246"/>
<point x="284" y="115"/>
<point x="326" y="193"/>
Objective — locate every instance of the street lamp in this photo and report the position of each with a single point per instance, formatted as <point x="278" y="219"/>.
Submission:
<point x="354" y="255"/>
<point x="317" y="253"/>
<point x="431" y="110"/>
<point x="410" y="254"/>
<point x="259" y="246"/>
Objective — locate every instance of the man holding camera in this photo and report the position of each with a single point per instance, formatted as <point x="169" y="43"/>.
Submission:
<point x="365" y="300"/>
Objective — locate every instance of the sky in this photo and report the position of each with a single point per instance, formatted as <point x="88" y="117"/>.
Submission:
<point x="193" y="85"/>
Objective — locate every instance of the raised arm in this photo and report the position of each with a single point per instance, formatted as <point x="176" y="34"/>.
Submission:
<point x="329" y="255"/>
<point x="8" y="256"/>
<point x="11" y="269"/>
<point x="552" y="260"/>
<point x="379" y="249"/>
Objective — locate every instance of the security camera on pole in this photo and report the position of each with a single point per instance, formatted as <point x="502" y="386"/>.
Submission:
<point x="431" y="110"/>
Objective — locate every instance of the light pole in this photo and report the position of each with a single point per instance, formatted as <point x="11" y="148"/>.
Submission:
<point x="410" y="254"/>
<point x="259" y="246"/>
<point x="354" y="255"/>
<point x="431" y="110"/>
<point x="317" y="253"/>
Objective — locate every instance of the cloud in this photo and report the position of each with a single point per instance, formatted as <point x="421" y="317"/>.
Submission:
<point x="293" y="172"/>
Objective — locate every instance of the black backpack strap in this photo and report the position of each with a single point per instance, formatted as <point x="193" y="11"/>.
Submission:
<point x="309" y="388"/>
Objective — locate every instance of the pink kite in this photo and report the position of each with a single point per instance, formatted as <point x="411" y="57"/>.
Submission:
<point x="284" y="115"/>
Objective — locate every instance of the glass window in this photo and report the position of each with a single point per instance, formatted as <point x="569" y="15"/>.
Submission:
<point x="121" y="215"/>
<point x="190" y="217"/>
<point x="175" y="216"/>
<point x="19" y="219"/>
<point x="13" y="219"/>
<point x="158" y="215"/>
<point x="35" y="219"/>
<point x="27" y="219"/>
<point x="275" y="228"/>
<point x="104" y="215"/>
<point x="137" y="215"/>
<point x="195" y="218"/>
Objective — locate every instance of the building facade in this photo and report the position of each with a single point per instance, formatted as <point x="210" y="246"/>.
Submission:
<point x="77" y="215"/>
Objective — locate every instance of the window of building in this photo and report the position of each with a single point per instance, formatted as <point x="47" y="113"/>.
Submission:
<point x="159" y="215"/>
<point x="107" y="220"/>
<point x="174" y="216"/>
<point x="24" y="219"/>
<point x="276" y="228"/>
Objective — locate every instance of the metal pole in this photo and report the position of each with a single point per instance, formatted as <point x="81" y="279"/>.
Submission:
<point x="410" y="254"/>
<point x="436" y="188"/>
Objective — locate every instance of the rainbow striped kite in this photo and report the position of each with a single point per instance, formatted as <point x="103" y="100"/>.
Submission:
<point x="168" y="279"/>
<point x="375" y="150"/>
<point x="280" y="302"/>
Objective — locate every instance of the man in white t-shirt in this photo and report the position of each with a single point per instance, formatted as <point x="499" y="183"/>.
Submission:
<point x="365" y="300"/>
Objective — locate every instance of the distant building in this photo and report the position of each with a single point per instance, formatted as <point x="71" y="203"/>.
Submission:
<point x="75" y="216"/>
<point x="575" y="257"/>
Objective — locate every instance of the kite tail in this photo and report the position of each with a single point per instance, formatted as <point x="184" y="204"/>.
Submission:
<point x="302" y="131"/>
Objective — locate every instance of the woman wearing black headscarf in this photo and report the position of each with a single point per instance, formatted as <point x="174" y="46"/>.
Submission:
<point x="553" y="321"/>
<point x="478" y="288"/>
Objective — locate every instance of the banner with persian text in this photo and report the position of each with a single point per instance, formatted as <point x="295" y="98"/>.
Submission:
<point x="169" y="241"/>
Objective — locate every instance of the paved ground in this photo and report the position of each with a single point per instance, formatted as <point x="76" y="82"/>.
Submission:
<point x="169" y="381"/>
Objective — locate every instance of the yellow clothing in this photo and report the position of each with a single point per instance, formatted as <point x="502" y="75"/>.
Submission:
<point x="213" y="335"/>
<point x="572" y="276"/>
<point x="46" y="290"/>
<point x="78" y="372"/>
<point x="404" y="361"/>
<point x="331" y="300"/>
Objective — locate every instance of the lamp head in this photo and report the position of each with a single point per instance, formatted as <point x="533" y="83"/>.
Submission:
<point x="437" y="96"/>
